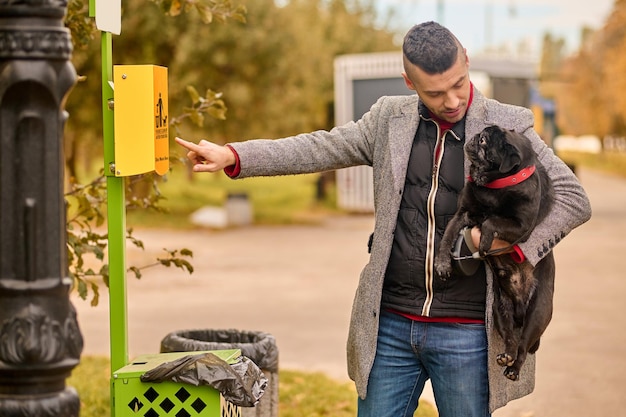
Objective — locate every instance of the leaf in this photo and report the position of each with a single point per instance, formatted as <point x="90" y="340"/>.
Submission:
<point x="175" y="8"/>
<point x="183" y="264"/>
<point x="206" y="15"/>
<point x="240" y="14"/>
<point x="217" y="112"/>
<point x="98" y="252"/>
<point x="99" y="218"/>
<point x="178" y="263"/>
<point x="82" y="289"/>
<point x="193" y="94"/>
<point x="211" y="95"/>
<point x="138" y="243"/>
<point x="104" y="272"/>
<point x="135" y="271"/>
<point x="95" y="299"/>
<point x="197" y="118"/>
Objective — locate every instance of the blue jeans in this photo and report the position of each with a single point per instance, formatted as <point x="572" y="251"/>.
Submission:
<point x="453" y="356"/>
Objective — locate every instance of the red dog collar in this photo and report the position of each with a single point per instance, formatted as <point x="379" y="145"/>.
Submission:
<point x="519" y="176"/>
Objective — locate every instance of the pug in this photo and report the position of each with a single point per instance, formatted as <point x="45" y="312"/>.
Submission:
<point x="507" y="194"/>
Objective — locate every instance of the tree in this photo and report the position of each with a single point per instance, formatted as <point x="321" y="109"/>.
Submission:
<point x="580" y="101"/>
<point x="587" y="101"/>
<point x="88" y="201"/>
<point x="614" y="45"/>
<point x="275" y="72"/>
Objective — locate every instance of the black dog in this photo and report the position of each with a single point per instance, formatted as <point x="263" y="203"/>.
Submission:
<point x="508" y="193"/>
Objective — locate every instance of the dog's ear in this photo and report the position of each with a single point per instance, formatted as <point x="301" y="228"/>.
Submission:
<point x="511" y="158"/>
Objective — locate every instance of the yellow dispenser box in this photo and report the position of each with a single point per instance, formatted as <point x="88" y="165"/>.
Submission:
<point x="141" y="119"/>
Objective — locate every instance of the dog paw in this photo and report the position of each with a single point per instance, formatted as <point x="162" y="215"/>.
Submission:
<point x="511" y="373"/>
<point x="443" y="267"/>
<point x="504" y="359"/>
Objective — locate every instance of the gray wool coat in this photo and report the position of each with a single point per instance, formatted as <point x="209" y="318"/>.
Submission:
<point x="382" y="139"/>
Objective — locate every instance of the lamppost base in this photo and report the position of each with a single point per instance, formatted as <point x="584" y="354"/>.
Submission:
<point x="62" y="404"/>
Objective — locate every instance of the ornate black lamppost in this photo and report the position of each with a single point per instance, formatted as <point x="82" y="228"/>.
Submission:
<point x="40" y="342"/>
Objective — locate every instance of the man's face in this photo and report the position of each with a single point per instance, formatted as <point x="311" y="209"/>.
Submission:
<point x="446" y="95"/>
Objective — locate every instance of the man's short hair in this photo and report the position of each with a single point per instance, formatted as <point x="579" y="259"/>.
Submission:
<point x="432" y="47"/>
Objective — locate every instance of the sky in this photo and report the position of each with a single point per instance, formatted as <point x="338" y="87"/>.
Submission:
<point x="512" y="21"/>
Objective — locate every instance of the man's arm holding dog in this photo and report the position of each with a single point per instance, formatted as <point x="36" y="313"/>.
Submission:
<point x="571" y="206"/>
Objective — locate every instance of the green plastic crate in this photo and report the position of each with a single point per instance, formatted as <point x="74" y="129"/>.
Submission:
<point x="133" y="398"/>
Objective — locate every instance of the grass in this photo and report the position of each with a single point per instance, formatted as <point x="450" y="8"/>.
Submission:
<point x="91" y="379"/>
<point x="301" y="394"/>
<point x="274" y="200"/>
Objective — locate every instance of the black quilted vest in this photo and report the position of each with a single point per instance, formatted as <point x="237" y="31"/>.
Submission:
<point x="410" y="284"/>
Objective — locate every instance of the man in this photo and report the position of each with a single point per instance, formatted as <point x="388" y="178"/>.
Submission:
<point x="407" y="325"/>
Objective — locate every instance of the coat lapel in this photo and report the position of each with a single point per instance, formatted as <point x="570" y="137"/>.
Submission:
<point x="475" y="121"/>
<point x="401" y="134"/>
<point x="402" y="130"/>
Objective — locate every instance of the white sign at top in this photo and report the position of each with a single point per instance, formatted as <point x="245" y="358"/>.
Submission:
<point x="109" y="16"/>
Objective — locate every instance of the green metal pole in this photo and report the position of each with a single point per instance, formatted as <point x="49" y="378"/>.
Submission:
<point x="116" y="218"/>
<point x="116" y="214"/>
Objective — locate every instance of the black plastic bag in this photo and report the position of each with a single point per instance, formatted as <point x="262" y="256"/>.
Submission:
<point x="260" y="347"/>
<point x="241" y="383"/>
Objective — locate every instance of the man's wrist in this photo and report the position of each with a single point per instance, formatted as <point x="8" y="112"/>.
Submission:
<point x="234" y="169"/>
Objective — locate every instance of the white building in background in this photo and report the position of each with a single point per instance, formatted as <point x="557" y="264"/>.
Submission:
<point x="360" y="79"/>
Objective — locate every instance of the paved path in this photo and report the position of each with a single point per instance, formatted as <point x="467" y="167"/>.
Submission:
<point x="297" y="283"/>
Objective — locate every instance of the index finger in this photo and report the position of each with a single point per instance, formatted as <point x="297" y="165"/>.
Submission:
<point x="186" y="144"/>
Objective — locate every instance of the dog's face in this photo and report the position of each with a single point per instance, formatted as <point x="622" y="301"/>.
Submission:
<point x="496" y="153"/>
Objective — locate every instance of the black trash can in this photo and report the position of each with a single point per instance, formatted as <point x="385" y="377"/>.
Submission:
<point x="259" y="347"/>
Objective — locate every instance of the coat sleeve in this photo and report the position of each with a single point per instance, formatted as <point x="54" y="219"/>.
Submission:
<point x="348" y="145"/>
<point x="571" y="206"/>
